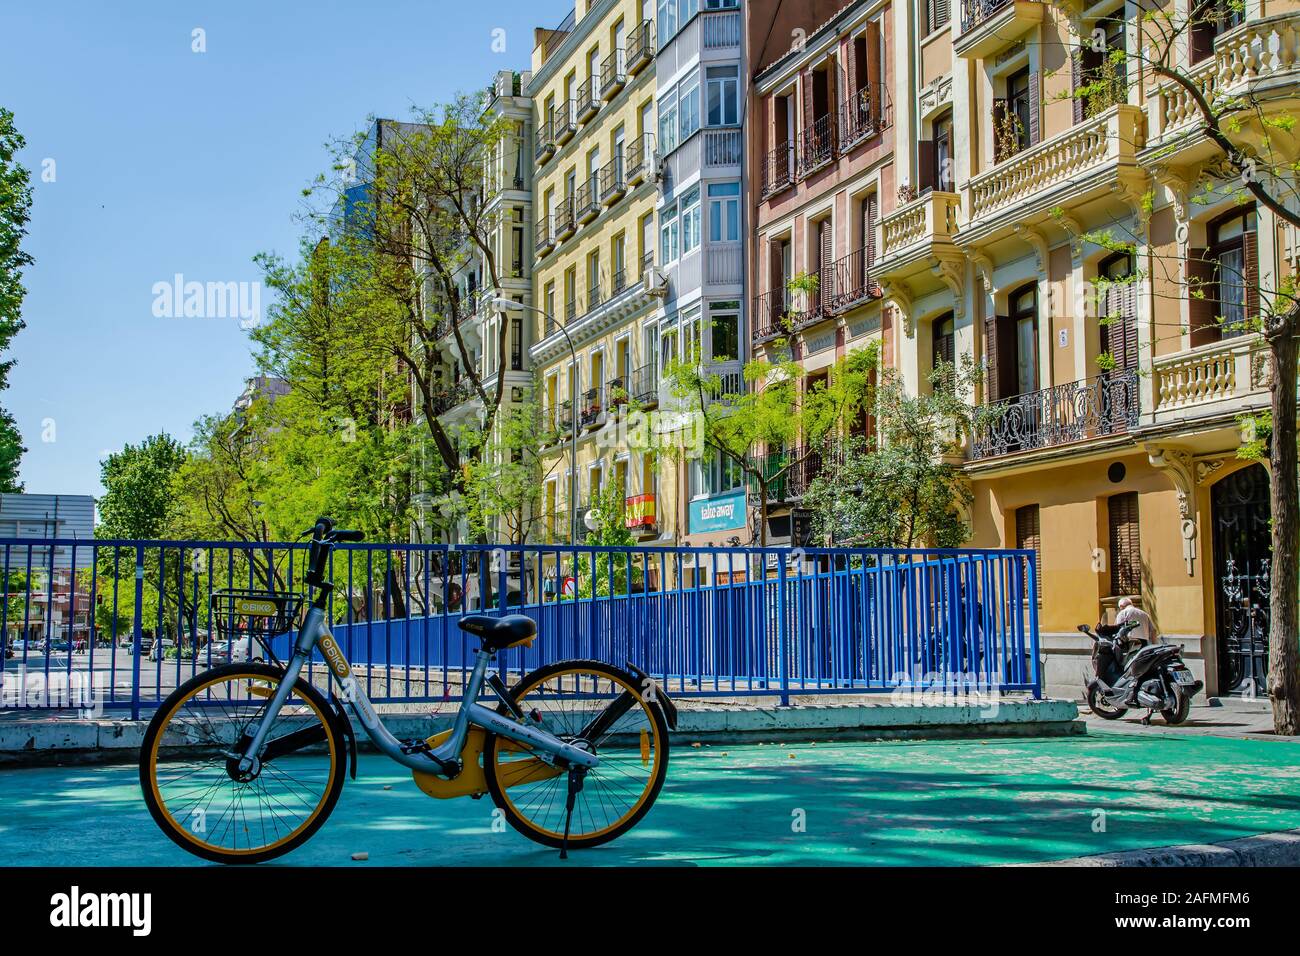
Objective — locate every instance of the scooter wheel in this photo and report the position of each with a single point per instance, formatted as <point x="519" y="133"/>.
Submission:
<point x="1097" y="704"/>
<point x="1179" y="713"/>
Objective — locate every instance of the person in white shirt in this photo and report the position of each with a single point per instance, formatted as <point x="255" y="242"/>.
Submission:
<point x="1146" y="629"/>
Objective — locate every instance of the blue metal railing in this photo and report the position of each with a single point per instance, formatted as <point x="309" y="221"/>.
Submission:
<point x="131" y="620"/>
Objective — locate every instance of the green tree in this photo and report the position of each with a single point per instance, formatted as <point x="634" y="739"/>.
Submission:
<point x="138" y="500"/>
<point x="503" y="475"/>
<point x="15" y="212"/>
<point x="904" y="488"/>
<point x="777" y="412"/>
<point x="610" y="572"/>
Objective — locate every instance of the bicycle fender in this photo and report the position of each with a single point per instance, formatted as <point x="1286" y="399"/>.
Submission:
<point x="660" y="695"/>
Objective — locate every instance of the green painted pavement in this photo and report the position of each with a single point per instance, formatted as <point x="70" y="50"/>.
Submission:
<point x="883" y="803"/>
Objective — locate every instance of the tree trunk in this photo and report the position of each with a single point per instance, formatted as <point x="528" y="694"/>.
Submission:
<point x="1283" y="650"/>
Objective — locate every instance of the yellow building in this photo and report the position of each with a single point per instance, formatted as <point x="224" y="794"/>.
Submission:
<point x="1114" y="453"/>
<point x="594" y="280"/>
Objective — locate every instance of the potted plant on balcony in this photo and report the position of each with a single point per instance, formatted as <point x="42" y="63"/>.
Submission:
<point x="802" y="288"/>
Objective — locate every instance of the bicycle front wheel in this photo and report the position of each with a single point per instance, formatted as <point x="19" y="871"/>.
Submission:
<point x="193" y="786"/>
<point x="599" y="708"/>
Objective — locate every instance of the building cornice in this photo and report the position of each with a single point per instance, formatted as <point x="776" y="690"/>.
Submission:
<point x="582" y="29"/>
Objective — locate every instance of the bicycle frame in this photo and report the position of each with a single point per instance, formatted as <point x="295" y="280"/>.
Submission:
<point x="314" y="633"/>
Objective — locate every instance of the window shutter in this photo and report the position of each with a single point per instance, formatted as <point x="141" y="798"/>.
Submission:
<point x="1077" y="81"/>
<point x="991" y="382"/>
<point x="1250" y="270"/>
<point x="852" y="83"/>
<point x="925" y="165"/>
<point x="1029" y="538"/>
<point x="870" y="211"/>
<point x="1201" y="297"/>
<point x="806" y="82"/>
<point x="940" y="13"/>
<point x="1129" y="307"/>
<point x="872" y="81"/>
<point x="1034" y="124"/>
<point x="1125" y="544"/>
<point x="999" y="121"/>
<point x="825" y="281"/>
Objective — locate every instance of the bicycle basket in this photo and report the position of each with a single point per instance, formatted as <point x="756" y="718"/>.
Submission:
<point x="242" y="614"/>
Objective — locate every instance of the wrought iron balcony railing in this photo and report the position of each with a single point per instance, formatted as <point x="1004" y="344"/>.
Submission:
<point x="788" y="473"/>
<point x="612" y="183"/>
<point x="545" y="141"/>
<point x="778" y="169"/>
<point x="644" y="386"/>
<point x="1075" y="411"/>
<point x="862" y="116"/>
<point x="640" y="46"/>
<point x="587" y="199"/>
<point x="975" y="12"/>
<point x="849" y="282"/>
<point x="613" y="74"/>
<point x="817" y="144"/>
<point x="638" y="159"/>
<point x="588" y="102"/>
<point x="771" y="311"/>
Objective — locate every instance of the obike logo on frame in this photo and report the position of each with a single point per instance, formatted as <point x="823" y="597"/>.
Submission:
<point x="334" y="656"/>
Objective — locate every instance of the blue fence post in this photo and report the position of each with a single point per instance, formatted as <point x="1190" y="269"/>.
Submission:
<point x="1035" y="675"/>
<point x="137" y="632"/>
<point x="782" y="656"/>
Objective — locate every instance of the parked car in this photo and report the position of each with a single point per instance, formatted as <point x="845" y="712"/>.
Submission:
<point x="236" y="652"/>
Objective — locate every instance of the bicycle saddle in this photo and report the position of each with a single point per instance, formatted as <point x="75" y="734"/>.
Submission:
<point x="498" y="633"/>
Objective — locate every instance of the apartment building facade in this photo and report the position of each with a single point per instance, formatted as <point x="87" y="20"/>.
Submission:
<point x="508" y="209"/>
<point x="1112" y="453"/>
<point x="596" y="284"/>
<point x="822" y="159"/>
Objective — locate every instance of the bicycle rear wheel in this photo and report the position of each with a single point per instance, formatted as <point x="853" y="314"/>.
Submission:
<point x="598" y="707"/>
<point x="195" y="791"/>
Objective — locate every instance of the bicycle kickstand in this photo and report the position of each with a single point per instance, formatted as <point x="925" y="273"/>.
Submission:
<point x="576" y="775"/>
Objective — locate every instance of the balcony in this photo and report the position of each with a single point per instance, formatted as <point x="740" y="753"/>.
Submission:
<point x="848" y="283"/>
<point x="914" y="234"/>
<point x="771" y="317"/>
<point x="640" y="514"/>
<point x="640" y="47"/>
<point x="723" y="147"/>
<point x="612" y="184"/>
<point x="862" y="117"/>
<point x="639" y="159"/>
<point x="545" y="143"/>
<point x="817" y="145"/>
<point x="1082" y="164"/>
<point x="1061" y="415"/>
<point x="613" y="74"/>
<point x="587" y="200"/>
<point x="988" y="26"/>
<point x="564" y="225"/>
<point x="788" y="474"/>
<point x="1260" y="58"/>
<point x="1220" y="378"/>
<point x="778" y="170"/>
<point x="643" y="385"/>
<point x="564" y="121"/>
<point x="451" y="396"/>
<point x="593" y="408"/>
<point x="545" y="241"/>
<point x="588" y="103"/>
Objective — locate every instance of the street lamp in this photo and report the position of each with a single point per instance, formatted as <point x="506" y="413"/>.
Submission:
<point x="510" y="305"/>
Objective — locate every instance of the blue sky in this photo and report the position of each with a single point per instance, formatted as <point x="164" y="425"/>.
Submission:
<point x="170" y="161"/>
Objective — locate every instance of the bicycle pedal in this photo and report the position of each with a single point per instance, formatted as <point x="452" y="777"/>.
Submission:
<point x="415" y="747"/>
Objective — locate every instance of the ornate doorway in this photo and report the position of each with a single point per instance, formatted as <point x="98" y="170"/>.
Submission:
<point x="1242" y="556"/>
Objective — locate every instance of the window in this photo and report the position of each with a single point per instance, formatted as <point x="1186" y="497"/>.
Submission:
<point x="1029" y="538"/>
<point x="647" y="241"/>
<point x="724" y="328"/>
<point x="516" y="345"/>
<point x="1117" y="305"/>
<point x="690" y="335"/>
<point x="943" y="156"/>
<point x="668" y="122"/>
<point x="723" y="94"/>
<point x="689" y="106"/>
<point x="668" y="234"/>
<point x="1233" y="274"/>
<point x="691" y="220"/>
<point x="667" y="21"/>
<point x="1024" y="318"/>
<point x="1216" y="19"/>
<point x="1125" y="550"/>
<point x="941" y="349"/>
<point x="724" y="212"/>
<point x="937" y="14"/>
<point x="1013" y="117"/>
<point x="716" y="473"/>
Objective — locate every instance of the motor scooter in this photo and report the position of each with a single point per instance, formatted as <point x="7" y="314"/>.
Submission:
<point x="1129" y="673"/>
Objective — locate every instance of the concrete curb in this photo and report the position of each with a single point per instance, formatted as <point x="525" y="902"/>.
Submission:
<point x="30" y="743"/>
<point x="1267" y="849"/>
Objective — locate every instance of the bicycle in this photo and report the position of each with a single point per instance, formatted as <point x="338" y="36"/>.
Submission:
<point x="245" y="762"/>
